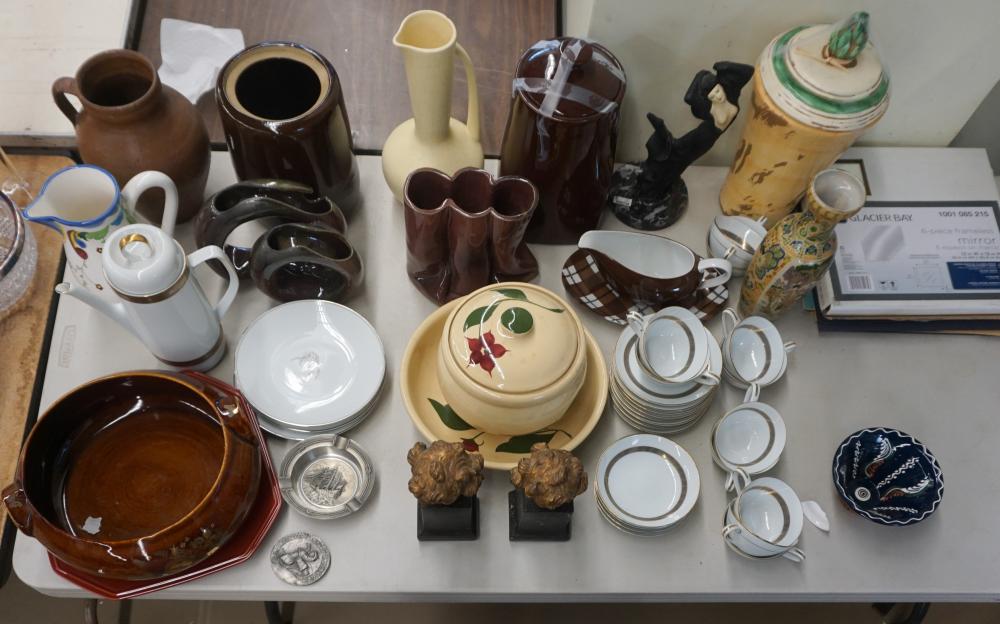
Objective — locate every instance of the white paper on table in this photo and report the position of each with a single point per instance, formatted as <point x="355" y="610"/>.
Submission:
<point x="193" y="54"/>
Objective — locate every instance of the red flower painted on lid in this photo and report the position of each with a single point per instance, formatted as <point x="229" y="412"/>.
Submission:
<point x="484" y="352"/>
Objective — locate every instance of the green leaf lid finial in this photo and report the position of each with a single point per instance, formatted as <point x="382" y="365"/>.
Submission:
<point x="828" y="75"/>
<point x="849" y="37"/>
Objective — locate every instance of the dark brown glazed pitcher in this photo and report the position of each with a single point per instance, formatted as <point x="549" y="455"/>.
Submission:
<point x="466" y="231"/>
<point x="561" y="134"/>
<point x="282" y="109"/>
<point x="130" y="122"/>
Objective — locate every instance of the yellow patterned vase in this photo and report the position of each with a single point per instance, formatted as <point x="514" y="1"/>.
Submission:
<point x="798" y="250"/>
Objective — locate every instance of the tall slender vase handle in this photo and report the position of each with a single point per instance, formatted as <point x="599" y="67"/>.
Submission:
<point x="214" y="252"/>
<point x="472" y="117"/>
<point x="153" y="179"/>
<point x="60" y="88"/>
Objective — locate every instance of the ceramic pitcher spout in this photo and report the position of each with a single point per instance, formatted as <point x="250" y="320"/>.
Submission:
<point x="429" y="40"/>
<point x="113" y="310"/>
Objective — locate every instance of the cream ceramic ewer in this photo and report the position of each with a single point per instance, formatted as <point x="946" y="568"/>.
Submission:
<point x="84" y="204"/>
<point x="432" y="138"/>
<point x="157" y="299"/>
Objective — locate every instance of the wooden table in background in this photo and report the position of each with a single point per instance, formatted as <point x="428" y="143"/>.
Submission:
<point x="23" y="335"/>
<point x="356" y="36"/>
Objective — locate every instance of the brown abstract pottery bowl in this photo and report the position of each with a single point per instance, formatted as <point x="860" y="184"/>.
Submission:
<point x="282" y="201"/>
<point x="466" y="231"/>
<point x="137" y="475"/>
<point x="512" y="358"/>
<point x="295" y="261"/>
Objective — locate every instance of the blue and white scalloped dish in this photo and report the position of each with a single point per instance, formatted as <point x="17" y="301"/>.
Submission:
<point x="888" y="476"/>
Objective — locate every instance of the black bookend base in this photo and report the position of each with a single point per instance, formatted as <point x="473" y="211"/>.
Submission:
<point x="457" y="521"/>
<point x="531" y="523"/>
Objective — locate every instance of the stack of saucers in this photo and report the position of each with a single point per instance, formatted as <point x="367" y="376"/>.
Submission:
<point x="650" y="404"/>
<point x="646" y="484"/>
<point x="309" y="368"/>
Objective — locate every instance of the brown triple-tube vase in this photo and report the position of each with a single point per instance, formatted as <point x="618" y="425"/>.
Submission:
<point x="129" y="122"/>
<point x="467" y="231"/>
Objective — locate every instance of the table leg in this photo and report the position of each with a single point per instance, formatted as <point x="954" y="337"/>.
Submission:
<point x="90" y="612"/>
<point x="279" y="612"/>
<point x="918" y="611"/>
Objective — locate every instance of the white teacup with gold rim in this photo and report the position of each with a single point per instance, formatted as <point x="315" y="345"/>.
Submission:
<point x="673" y="347"/>
<point x="512" y="358"/>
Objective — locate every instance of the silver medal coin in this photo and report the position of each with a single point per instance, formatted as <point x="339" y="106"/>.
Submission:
<point x="300" y="559"/>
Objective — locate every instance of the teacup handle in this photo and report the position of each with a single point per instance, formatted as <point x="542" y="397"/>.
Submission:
<point x="722" y="265"/>
<point x="790" y="346"/>
<point x="730" y="315"/>
<point x="752" y="393"/>
<point x="214" y="252"/>
<point x="637" y="321"/>
<point x="708" y="378"/>
<point x="146" y="180"/>
<point x="737" y="480"/>
<point x="794" y="554"/>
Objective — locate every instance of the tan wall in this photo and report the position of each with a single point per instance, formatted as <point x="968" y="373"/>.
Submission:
<point x="943" y="57"/>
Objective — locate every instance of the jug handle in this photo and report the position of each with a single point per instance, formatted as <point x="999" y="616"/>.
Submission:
<point x="60" y="88"/>
<point x="214" y="252"/>
<point x="146" y="180"/>
<point x="472" y="117"/>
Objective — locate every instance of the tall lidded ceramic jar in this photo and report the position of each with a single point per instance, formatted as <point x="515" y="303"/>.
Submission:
<point x="816" y="89"/>
<point x="561" y="134"/>
<point x="798" y="250"/>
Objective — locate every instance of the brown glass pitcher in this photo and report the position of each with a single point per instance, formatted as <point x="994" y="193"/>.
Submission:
<point x="129" y="122"/>
<point x="561" y="134"/>
<point x="466" y="231"/>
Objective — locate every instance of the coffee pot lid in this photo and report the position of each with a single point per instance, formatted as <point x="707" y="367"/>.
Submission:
<point x="570" y="79"/>
<point x="829" y="76"/>
<point x="142" y="260"/>
<point x="513" y="338"/>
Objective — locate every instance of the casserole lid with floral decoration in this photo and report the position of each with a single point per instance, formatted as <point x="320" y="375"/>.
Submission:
<point x="513" y="338"/>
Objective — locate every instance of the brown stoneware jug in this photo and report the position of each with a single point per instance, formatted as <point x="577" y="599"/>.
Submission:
<point x="129" y="122"/>
<point x="283" y="113"/>
<point x="466" y="231"/>
<point x="561" y="134"/>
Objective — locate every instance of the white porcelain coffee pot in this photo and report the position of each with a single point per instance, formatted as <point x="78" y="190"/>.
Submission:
<point x="157" y="298"/>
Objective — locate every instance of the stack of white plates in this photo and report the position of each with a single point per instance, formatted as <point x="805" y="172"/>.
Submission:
<point x="646" y="484"/>
<point x="655" y="406"/>
<point x="310" y="367"/>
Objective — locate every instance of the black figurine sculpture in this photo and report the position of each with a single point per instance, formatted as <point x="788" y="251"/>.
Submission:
<point x="651" y="195"/>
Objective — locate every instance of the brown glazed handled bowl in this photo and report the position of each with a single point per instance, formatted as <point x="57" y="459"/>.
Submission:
<point x="282" y="200"/>
<point x="138" y="475"/>
<point x="466" y="231"/>
<point x="295" y="261"/>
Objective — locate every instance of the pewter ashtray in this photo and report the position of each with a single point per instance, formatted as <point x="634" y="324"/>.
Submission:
<point x="326" y="476"/>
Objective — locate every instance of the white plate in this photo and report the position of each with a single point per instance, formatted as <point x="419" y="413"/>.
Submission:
<point x="654" y="410"/>
<point x="310" y="365"/>
<point x="647" y="481"/>
<point x="750" y="436"/>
